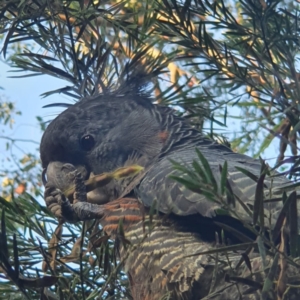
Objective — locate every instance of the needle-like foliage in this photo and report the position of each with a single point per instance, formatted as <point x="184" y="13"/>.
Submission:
<point x="214" y="61"/>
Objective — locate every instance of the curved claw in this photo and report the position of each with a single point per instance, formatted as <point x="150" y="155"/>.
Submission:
<point x="44" y="180"/>
<point x="80" y="194"/>
<point x="67" y="210"/>
<point x="59" y="205"/>
<point x="79" y="209"/>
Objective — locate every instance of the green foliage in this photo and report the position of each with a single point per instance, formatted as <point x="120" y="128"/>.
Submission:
<point x="214" y="61"/>
<point x="30" y="245"/>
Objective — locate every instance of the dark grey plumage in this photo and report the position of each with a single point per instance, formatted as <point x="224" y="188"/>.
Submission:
<point x="126" y="129"/>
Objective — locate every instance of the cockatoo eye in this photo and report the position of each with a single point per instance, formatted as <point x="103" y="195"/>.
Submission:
<point x="87" y="142"/>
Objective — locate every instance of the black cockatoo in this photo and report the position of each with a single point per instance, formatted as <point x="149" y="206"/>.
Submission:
<point x="106" y="132"/>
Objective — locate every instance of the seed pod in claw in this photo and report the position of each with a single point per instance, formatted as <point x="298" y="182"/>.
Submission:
<point x="103" y="179"/>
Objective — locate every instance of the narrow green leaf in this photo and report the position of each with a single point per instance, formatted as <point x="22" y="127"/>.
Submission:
<point x="237" y="233"/>
<point x="258" y="207"/>
<point x="224" y="249"/>
<point x="16" y="257"/>
<point x="283" y="213"/>
<point x="293" y="225"/>
<point x="224" y="174"/>
<point x="3" y="240"/>
<point x="209" y="175"/>
<point x="250" y="175"/>
<point x="268" y="284"/>
<point x="199" y="171"/>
